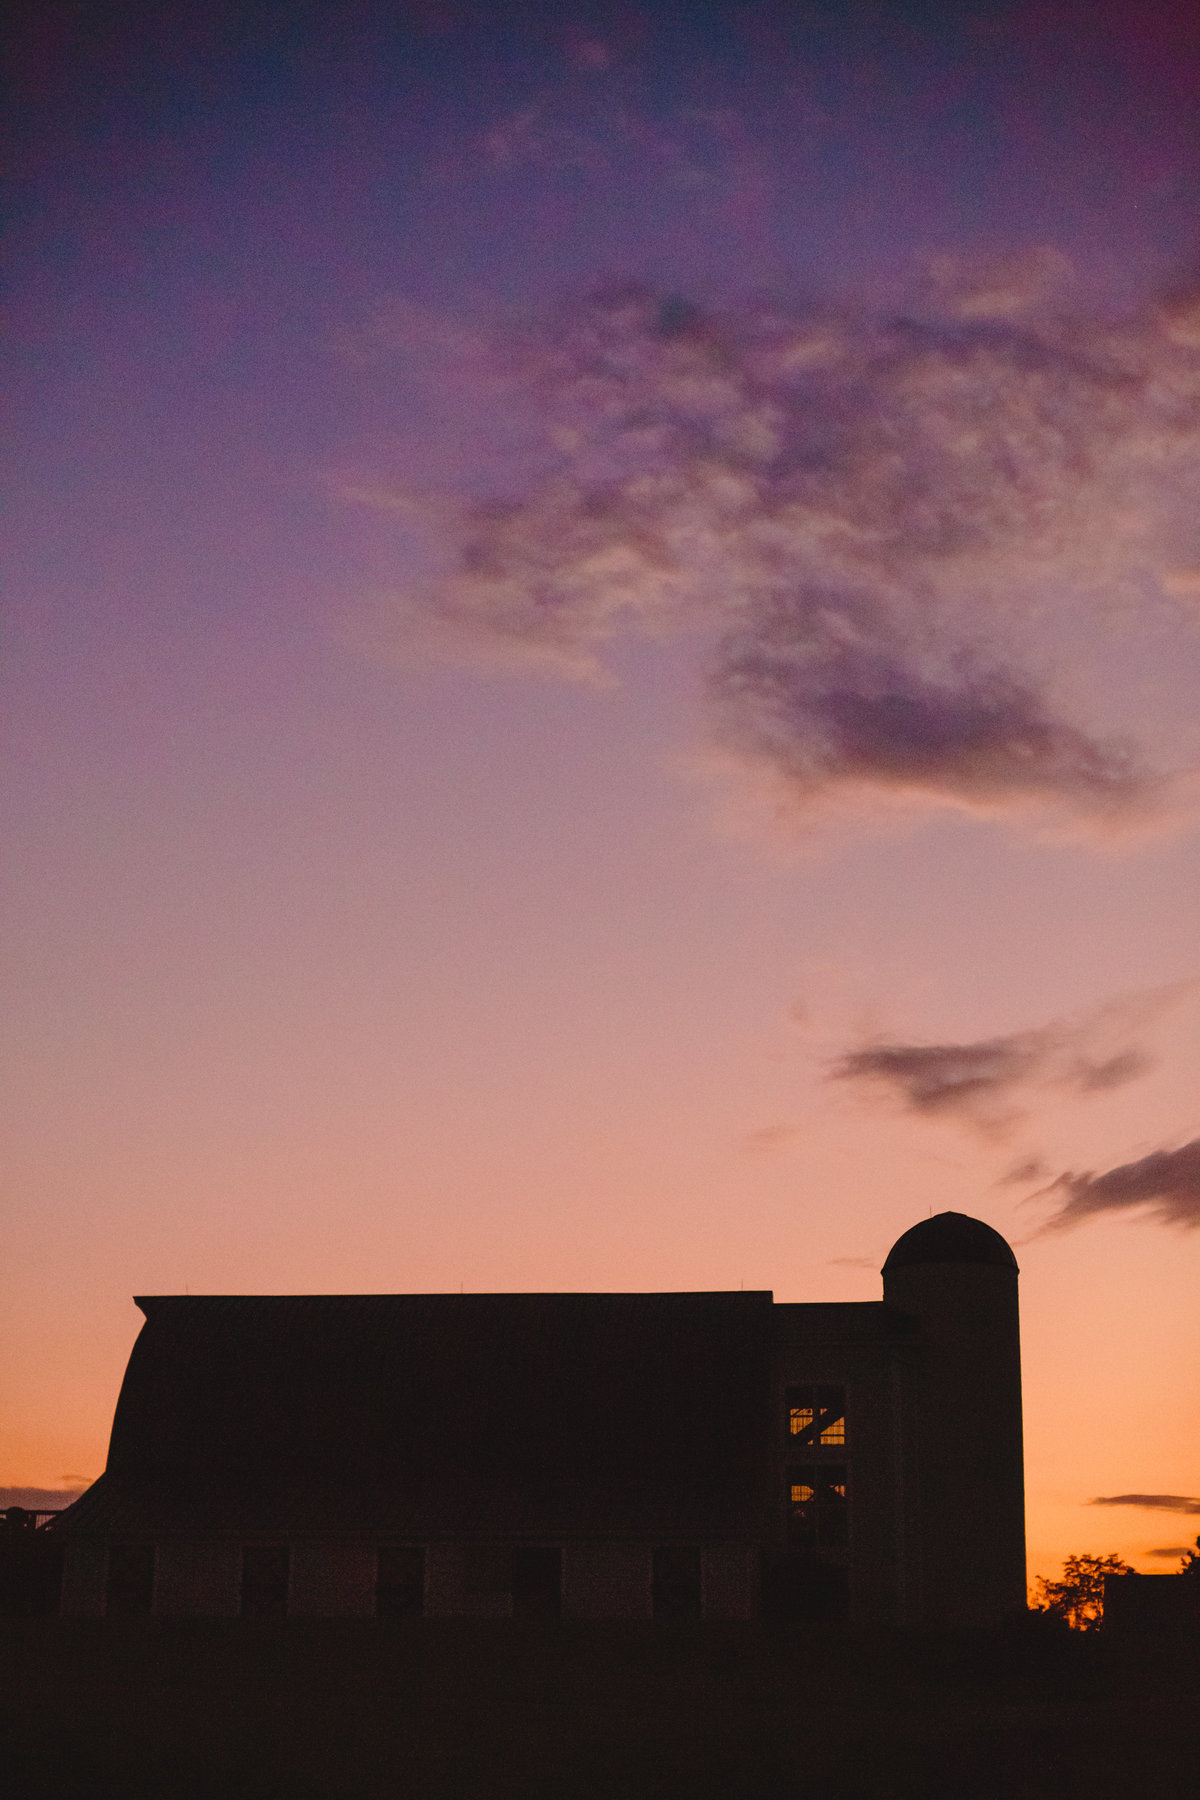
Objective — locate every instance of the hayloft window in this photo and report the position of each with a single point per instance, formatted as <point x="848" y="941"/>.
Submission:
<point x="129" y="1591"/>
<point x="264" y="1581"/>
<point x="399" y="1582"/>
<point x="817" y="1415"/>
<point x="818" y="1505"/>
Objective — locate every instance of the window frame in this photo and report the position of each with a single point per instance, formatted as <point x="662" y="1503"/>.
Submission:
<point x="824" y="1402"/>
<point x="827" y="1526"/>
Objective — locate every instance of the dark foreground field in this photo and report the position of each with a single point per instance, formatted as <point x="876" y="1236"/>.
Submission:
<point x="296" y="1709"/>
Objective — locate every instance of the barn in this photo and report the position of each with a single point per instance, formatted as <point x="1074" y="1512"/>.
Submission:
<point x="592" y="1456"/>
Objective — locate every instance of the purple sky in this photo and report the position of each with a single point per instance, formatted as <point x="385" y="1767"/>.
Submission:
<point x="601" y="679"/>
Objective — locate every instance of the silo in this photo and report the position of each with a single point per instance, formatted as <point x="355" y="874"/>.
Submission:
<point x="963" y="1486"/>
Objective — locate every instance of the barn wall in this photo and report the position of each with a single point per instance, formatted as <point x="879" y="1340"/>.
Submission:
<point x="197" y="1578"/>
<point x="730" y="1581"/>
<point x="84" y="1565"/>
<point x="454" y="1587"/>
<point x="606" y="1581"/>
<point x="200" y="1577"/>
<point x="332" y="1578"/>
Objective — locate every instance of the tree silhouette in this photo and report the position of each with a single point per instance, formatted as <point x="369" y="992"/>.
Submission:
<point x="1191" y="1562"/>
<point x="1079" y="1597"/>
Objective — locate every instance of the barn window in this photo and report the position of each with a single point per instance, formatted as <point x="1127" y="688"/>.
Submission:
<point x="801" y="1416"/>
<point x="818" y="1505"/>
<point x="817" y="1415"/>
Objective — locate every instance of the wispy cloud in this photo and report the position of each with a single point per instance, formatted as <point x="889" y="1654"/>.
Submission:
<point x="856" y="512"/>
<point x="988" y="1082"/>
<point x="964" y="1079"/>
<point x="1030" y="1168"/>
<point x="1180" y="1503"/>
<point x="1167" y="1182"/>
<point x="770" y="1137"/>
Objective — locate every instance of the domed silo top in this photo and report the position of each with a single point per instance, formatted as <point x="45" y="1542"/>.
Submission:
<point x="950" y="1237"/>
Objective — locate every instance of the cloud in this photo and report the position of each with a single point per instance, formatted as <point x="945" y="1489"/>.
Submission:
<point x="1180" y="1503"/>
<point x="1112" y="1072"/>
<point x="38" y="1499"/>
<point x="770" y="1137"/>
<point x="856" y="517"/>
<point x="1172" y="1550"/>
<point x="1166" y="1181"/>
<point x="1031" y="1168"/>
<point x="946" y="1078"/>
<point x="986" y="1082"/>
<point x="1001" y="288"/>
<point x="823" y="708"/>
<point x="854" y="1262"/>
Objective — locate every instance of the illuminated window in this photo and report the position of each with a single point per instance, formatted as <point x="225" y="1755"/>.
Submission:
<point x="817" y="1415"/>
<point x="818" y="1511"/>
<point x="801" y="1420"/>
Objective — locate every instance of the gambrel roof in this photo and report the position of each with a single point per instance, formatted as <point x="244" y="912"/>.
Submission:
<point x="426" y="1415"/>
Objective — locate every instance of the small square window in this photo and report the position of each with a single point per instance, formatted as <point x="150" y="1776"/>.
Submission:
<point x="817" y="1415"/>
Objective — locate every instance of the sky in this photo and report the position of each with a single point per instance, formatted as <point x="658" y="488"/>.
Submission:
<point x="600" y="688"/>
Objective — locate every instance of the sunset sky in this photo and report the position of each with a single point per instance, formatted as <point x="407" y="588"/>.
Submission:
<point x="602" y="679"/>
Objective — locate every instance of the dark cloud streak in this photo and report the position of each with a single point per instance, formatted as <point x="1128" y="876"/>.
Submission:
<point x="1180" y="1503"/>
<point x="945" y="1078"/>
<point x="869" y="715"/>
<point x="985" y="1082"/>
<point x="1165" y="1181"/>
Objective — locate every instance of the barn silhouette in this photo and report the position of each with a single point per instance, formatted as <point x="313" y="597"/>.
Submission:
<point x="665" y="1456"/>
